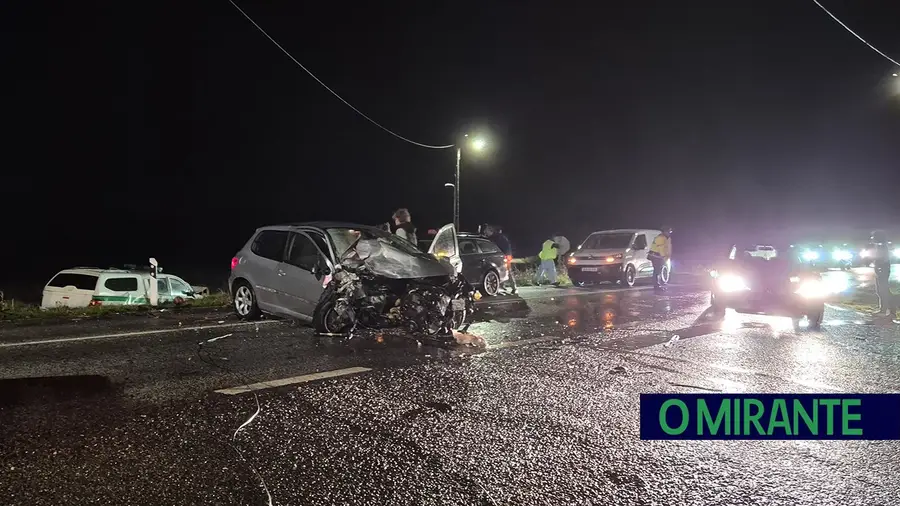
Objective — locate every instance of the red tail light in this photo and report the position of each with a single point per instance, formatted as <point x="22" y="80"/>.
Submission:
<point x="234" y="262"/>
<point x="508" y="259"/>
<point x="95" y="302"/>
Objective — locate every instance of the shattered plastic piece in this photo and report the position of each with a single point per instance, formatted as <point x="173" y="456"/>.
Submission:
<point x="379" y="338"/>
<point x="674" y="340"/>
<point x="466" y="339"/>
<point x="618" y="370"/>
<point x="217" y="338"/>
<point x="221" y="322"/>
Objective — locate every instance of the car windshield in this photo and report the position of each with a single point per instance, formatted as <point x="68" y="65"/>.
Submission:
<point x="612" y="240"/>
<point x="344" y="237"/>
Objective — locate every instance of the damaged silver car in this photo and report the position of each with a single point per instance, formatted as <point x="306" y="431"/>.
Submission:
<point x="343" y="277"/>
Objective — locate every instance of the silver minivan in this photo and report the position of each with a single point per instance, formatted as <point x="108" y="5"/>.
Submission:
<point x="618" y="256"/>
<point x="283" y="269"/>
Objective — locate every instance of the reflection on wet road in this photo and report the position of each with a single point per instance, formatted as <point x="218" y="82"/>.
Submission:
<point x="548" y="410"/>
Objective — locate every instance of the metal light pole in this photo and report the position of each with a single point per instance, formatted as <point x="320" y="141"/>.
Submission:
<point x="456" y="190"/>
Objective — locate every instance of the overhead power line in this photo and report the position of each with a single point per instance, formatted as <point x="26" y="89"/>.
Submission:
<point x="856" y="35"/>
<point x="348" y="104"/>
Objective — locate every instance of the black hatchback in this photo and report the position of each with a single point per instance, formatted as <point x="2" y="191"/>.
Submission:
<point x="483" y="263"/>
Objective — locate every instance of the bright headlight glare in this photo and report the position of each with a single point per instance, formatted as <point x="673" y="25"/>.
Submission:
<point x="842" y="255"/>
<point x="810" y="255"/>
<point x="897" y="252"/>
<point x="731" y="283"/>
<point x="812" y="289"/>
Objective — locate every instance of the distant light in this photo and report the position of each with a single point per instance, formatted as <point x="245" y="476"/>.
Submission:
<point x="895" y="75"/>
<point x="449" y="185"/>
<point x="842" y="255"/>
<point x="810" y="255"/>
<point x="479" y="144"/>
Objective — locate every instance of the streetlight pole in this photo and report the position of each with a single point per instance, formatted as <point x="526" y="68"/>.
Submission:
<point x="456" y="190"/>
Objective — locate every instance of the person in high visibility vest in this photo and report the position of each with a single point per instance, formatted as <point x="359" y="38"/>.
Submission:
<point x="548" y="254"/>
<point x="659" y="255"/>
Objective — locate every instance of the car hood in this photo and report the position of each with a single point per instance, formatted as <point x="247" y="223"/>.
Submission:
<point x="382" y="258"/>
<point x="599" y="253"/>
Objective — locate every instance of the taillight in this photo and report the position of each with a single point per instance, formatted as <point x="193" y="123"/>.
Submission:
<point x="95" y="302"/>
<point x="508" y="259"/>
<point x="234" y="262"/>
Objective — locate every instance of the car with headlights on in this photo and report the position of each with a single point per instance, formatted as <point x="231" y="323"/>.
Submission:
<point x="780" y="286"/>
<point x="619" y="256"/>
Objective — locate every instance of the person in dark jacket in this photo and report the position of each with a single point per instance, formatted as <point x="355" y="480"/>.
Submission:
<point x="881" y="260"/>
<point x="496" y="234"/>
<point x="403" y="226"/>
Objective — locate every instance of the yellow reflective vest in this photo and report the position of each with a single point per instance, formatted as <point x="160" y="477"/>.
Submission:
<point x="662" y="246"/>
<point x="548" y="252"/>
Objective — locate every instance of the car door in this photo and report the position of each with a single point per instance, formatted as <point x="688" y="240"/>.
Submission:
<point x="640" y="246"/>
<point x="471" y="259"/>
<point x="446" y="246"/>
<point x="301" y="276"/>
<point x="180" y="288"/>
<point x="268" y="249"/>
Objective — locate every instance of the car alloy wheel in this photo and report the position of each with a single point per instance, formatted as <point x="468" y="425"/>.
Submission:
<point x="629" y="276"/>
<point x="491" y="283"/>
<point x="243" y="300"/>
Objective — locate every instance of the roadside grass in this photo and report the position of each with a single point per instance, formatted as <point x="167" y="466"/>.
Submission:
<point x="524" y="274"/>
<point x="17" y="312"/>
<point x="866" y="301"/>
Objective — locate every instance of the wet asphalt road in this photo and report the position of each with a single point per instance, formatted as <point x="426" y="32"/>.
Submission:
<point x="547" y="414"/>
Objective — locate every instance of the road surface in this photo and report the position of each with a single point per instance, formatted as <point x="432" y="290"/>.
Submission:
<point x="205" y="410"/>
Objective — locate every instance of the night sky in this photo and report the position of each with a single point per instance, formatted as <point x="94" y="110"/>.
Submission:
<point x="174" y="129"/>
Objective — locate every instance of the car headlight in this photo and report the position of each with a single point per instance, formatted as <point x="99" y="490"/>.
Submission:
<point x="731" y="283"/>
<point x="865" y="253"/>
<point x="812" y="288"/>
<point x="897" y="252"/>
<point x="810" y="255"/>
<point x="842" y="255"/>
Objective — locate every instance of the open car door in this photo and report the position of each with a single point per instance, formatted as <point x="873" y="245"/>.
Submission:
<point x="446" y="246"/>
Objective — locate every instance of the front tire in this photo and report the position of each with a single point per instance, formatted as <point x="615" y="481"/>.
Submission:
<point x="629" y="276"/>
<point x="664" y="275"/>
<point x="490" y="283"/>
<point x="325" y="320"/>
<point x="243" y="300"/>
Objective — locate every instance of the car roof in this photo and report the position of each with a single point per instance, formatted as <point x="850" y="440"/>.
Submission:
<point x="321" y="224"/>
<point x="629" y="231"/>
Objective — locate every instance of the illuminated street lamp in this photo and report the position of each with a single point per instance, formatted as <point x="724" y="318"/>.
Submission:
<point x="477" y="145"/>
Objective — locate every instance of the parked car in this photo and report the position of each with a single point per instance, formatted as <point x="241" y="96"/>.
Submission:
<point x="483" y="263"/>
<point x="91" y="286"/>
<point x="284" y="269"/>
<point x="782" y="286"/>
<point x="618" y="256"/>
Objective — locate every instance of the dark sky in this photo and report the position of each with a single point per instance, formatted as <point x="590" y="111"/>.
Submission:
<point x="175" y="128"/>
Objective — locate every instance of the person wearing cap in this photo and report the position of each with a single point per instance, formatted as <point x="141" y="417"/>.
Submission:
<point x="881" y="261"/>
<point x="660" y="253"/>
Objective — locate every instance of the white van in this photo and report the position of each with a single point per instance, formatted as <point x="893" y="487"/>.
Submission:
<point x="90" y="286"/>
<point x="614" y="255"/>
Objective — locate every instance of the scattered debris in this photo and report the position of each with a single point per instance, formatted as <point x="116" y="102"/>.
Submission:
<point x="674" y="340"/>
<point x="466" y="339"/>
<point x="618" y="370"/>
<point x="217" y="338"/>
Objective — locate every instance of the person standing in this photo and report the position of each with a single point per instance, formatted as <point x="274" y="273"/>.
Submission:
<point x="496" y="234"/>
<point x="548" y="254"/>
<point x="403" y="226"/>
<point x="881" y="261"/>
<point x="659" y="255"/>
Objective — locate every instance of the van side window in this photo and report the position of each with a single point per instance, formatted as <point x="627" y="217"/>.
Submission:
<point x="129" y="284"/>
<point x="79" y="281"/>
<point x="640" y="242"/>
<point x="270" y="244"/>
<point x="303" y="253"/>
<point x="162" y="286"/>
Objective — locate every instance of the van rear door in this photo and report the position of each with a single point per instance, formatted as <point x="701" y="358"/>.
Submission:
<point x="69" y="289"/>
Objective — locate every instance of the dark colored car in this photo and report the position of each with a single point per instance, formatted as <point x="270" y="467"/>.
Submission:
<point x="483" y="263"/>
<point x="781" y="286"/>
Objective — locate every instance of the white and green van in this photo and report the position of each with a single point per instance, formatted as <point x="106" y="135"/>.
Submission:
<point x="90" y="286"/>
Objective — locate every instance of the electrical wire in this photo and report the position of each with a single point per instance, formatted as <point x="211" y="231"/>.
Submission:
<point x="348" y="104"/>
<point x="855" y="34"/>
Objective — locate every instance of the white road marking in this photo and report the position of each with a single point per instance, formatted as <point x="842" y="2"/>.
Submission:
<point x="291" y="381"/>
<point x="522" y="342"/>
<point x="135" y="333"/>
